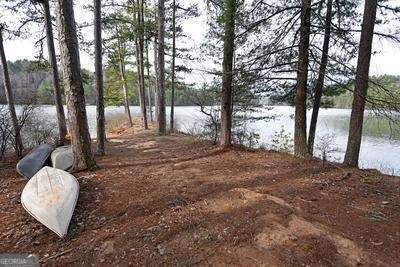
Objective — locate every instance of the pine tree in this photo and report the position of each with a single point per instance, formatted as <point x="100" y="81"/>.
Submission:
<point x="139" y="43"/>
<point x="361" y="84"/>
<point x="321" y="78"/>
<point x="300" y="131"/>
<point x="229" y="15"/>
<point x="62" y="126"/>
<point x="160" y="96"/>
<point x="79" y="131"/>
<point x="101" y="131"/>
<point x="171" y="121"/>
<point x="10" y="98"/>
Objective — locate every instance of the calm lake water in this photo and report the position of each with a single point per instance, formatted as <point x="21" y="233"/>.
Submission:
<point x="379" y="149"/>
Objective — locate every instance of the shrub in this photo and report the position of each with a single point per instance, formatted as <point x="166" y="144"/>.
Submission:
<point x="326" y="146"/>
<point x="38" y="129"/>
<point x="282" y="141"/>
<point x="35" y="128"/>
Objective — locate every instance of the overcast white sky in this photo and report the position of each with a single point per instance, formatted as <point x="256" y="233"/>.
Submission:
<point x="386" y="62"/>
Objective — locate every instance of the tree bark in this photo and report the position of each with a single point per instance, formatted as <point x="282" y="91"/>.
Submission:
<point x="62" y="126"/>
<point x="77" y="118"/>
<point x="149" y="82"/>
<point x="229" y="7"/>
<point x="10" y="99"/>
<point x="173" y="66"/>
<point x="361" y="84"/>
<point x="101" y="131"/>
<point x="321" y="77"/>
<point x="161" y="120"/>
<point x="300" y="130"/>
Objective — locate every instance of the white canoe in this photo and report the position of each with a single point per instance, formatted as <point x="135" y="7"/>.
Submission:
<point x="50" y="197"/>
<point x="62" y="158"/>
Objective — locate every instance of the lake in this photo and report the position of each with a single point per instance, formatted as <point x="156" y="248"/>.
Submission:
<point x="379" y="150"/>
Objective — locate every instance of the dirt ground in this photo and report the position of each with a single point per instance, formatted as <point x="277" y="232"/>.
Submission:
<point x="177" y="201"/>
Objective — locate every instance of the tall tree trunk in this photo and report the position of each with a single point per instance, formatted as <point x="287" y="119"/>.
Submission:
<point x="140" y="62"/>
<point x="77" y="119"/>
<point x="321" y="77"/>
<point x="149" y="81"/>
<point x="141" y="46"/>
<point x="171" y="121"/>
<point x="121" y="65"/>
<point x="10" y="99"/>
<point x="227" y="71"/>
<point x="142" y="97"/>
<point x="125" y="89"/>
<point x="62" y="126"/>
<point x="149" y="93"/>
<point x="361" y="84"/>
<point x="300" y="130"/>
<point x="101" y="131"/>
<point x="155" y="77"/>
<point x="161" y="120"/>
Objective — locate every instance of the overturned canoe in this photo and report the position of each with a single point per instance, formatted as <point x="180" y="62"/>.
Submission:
<point x="50" y="197"/>
<point x="29" y="165"/>
<point x="62" y="158"/>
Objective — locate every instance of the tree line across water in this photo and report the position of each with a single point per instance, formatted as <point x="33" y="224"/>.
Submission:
<point x="32" y="83"/>
<point x="294" y="51"/>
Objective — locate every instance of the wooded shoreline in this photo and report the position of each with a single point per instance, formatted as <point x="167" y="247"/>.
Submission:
<point x="149" y="195"/>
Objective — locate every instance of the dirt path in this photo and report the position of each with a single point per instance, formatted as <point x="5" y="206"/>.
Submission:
<point x="172" y="200"/>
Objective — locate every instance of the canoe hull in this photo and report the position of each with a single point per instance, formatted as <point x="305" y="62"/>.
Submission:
<point x="62" y="158"/>
<point x="29" y="165"/>
<point x="50" y="197"/>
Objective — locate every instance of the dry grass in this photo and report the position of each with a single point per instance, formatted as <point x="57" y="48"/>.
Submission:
<point x="116" y="121"/>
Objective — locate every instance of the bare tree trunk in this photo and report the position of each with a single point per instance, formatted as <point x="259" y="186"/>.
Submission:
<point x="121" y="63"/>
<point x="140" y="63"/>
<point x="161" y="120"/>
<point x="125" y="89"/>
<point x="227" y="72"/>
<point x="155" y="77"/>
<point x="62" y="126"/>
<point x="142" y="97"/>
<point x="361" y="84"/>
<point x="101" y="131"/>
<point x="149" y="93"/>
<point x="300" y="130"/>
<point x="10" y="98"/>
<point x="149" y="82"/>
<point x="141" y="58"/>
<point x="321" y="77"/>
<point x="173" y="66"/>
<point x="77" y="119"/>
